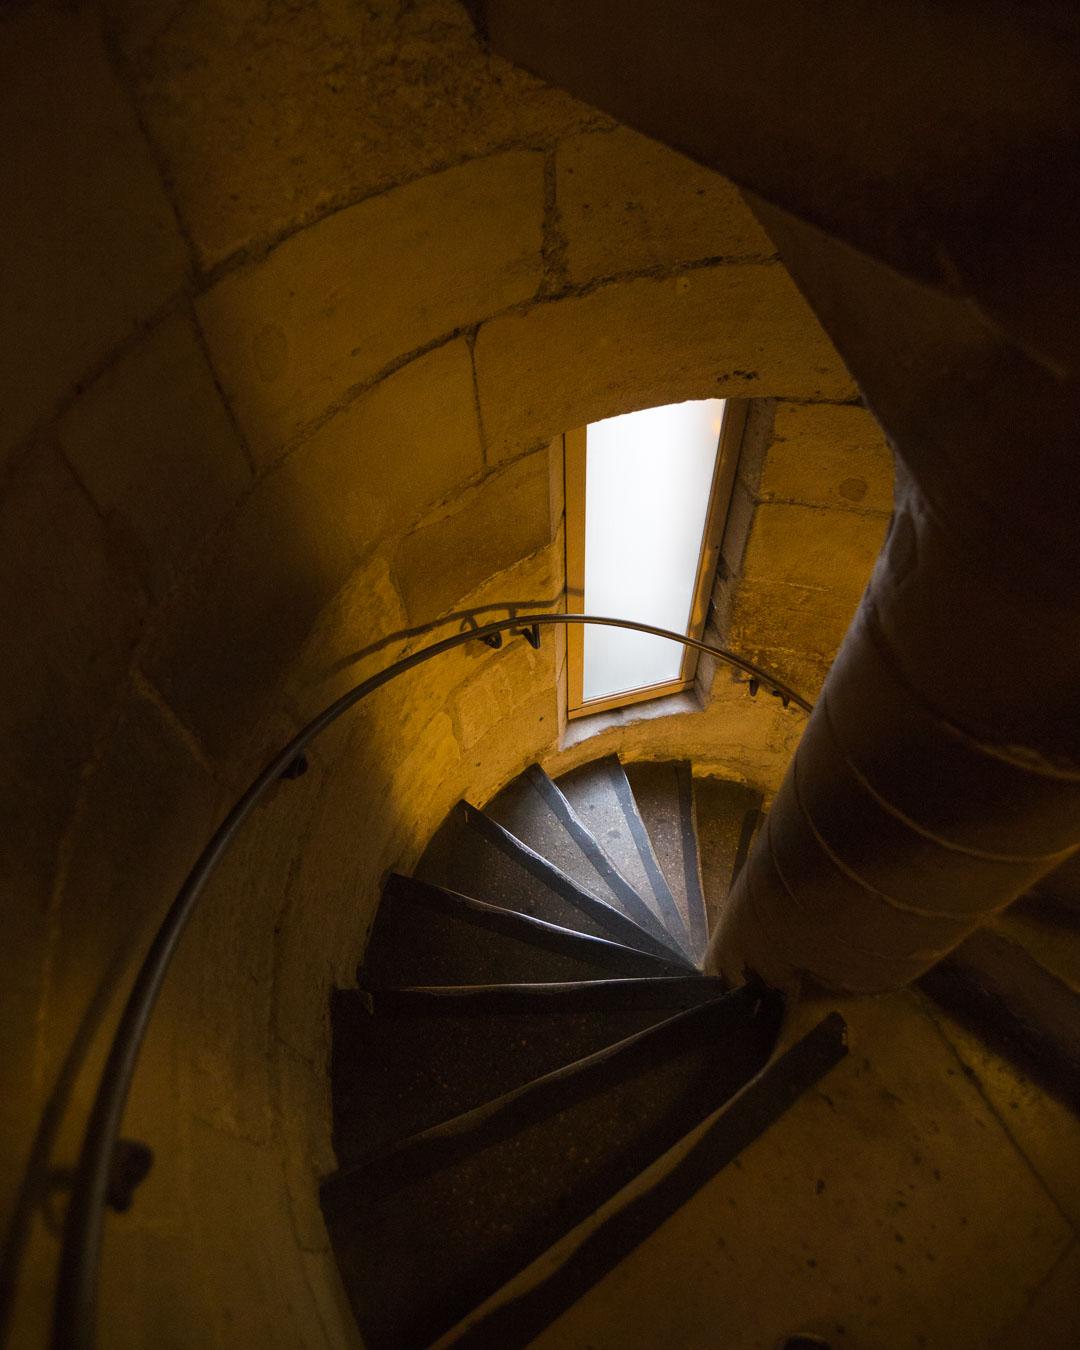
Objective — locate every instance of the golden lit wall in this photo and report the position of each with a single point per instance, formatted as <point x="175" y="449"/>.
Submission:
<point x="297" y="301"/>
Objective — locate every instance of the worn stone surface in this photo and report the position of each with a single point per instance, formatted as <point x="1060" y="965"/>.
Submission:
<point x="802" y="575"/>
<point x="411" y="441"/>
<point x="1047" y="1132"/>
<point x="231" y="633"/>
<point x="125" y="860"/>
<point x="332" y="102"/>
<point x="496" y="691"/>
<point x="484" y="531"/>
<point x="77" y="616"/>
<point x="739" y="329"/>
<point x="627" y="203"/>
<point x="156" y="448"/>
<point x="349" y="640"/>
<point x="829" y="455"/>
<point x="1052" y="1316"/>
<point x="338" y="302"/>
<point x="734" y="734"/>
<point x="90" y="245"/>
<point x="901" y="1214"/>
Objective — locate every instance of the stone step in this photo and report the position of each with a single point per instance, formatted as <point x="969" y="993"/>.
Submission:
<point x="727" y="815"/>
<point x="534" y="810"/>
<point x="424" y="934"/>
<point x="463" y="858"/>
<point x="602" y="798"/>
<point x="400" y="1065"/>
<point x="665" y="799"/>
<point x="611" y="920"/>
<point x="427" y="1230"/>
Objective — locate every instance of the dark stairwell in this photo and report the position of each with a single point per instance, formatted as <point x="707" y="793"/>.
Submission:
<point x="531" y="1031"/>
<point x="174" y="532"/>
<point x="521" y="1078"/>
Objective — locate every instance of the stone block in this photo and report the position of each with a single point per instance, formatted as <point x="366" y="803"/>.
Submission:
<point x="804" y="571"/>
<point x="627" y="203"/>
<point x="153" y="443"/>
<point x="304" y="1120"/>
<point x="397" y="771"/>
<point x="735" y="329"/>
<point x="341" y="300"/>
<point x="418" y="780"/>
<point x="90" y="246"/>
<point x="830" y="455"/>
<point x="529" y="732"/>
<point x="228" y="639"/>
<point x="536" y="582"/>
<point x="330" y="893"/>
<point x="332" y="102"/>
<point x="147" y="810"/>
<point x="248" y="1271"/>
<point x="229" y="969"/>
<point x="74" y="619"/>
<point x="508" y="680"/>
<point x="483" y="532"/>
<point x="792" y="544"/>
<point x="71" y="619"/>
<point x="348" y="642"/>
<point x="412" y="439"/>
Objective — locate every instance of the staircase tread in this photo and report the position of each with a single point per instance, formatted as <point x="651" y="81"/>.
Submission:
<point x="398" y="1068"/>
<point x="426" y="934"/>
<point x="1022" y="1010"/>
<point x="519" y="1318"/>
<point x="423" y="1239"/>
<point x="727" y="816"/>
<point x="536" y="812"/>
<point x="599" y="915"/>
<point x="602" y="798"/>
<point x="1047" y="938"/>
<point x="661" y="991"/>
<point x="466" y="858"/>
<point x="663" y="792"/>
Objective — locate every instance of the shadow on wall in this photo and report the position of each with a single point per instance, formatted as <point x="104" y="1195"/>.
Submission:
<point x="466" y="618"/>
<point x="155" y="780"/>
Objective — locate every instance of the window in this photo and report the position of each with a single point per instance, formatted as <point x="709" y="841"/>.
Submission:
<point x="646" y="500"/>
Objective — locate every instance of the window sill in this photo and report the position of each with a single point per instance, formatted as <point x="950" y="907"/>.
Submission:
<point x="584" y="728"/>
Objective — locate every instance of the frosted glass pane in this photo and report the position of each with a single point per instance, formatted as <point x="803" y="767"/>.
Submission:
<point x="647" y="481"/>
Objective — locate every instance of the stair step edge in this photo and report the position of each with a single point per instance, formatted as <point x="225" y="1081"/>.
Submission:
<point x="533" y="1299"/>
<point x="411" y="891"/>
<point x="565" y="886"/>
<point x="598" y="857"/>
<point x="441" y="1142"/>
<point x="673" y="918"/>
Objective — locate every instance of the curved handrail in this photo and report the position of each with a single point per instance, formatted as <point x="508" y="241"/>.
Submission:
<point x="74" y="1321"/>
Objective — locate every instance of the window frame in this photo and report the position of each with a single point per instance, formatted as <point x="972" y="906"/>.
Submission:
<point x="575" y="445"/>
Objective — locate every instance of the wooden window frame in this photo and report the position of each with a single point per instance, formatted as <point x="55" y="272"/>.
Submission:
<point x="723" y="482"/>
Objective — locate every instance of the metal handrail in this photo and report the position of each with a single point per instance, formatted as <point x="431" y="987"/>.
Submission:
<point x="76" y="1295"/>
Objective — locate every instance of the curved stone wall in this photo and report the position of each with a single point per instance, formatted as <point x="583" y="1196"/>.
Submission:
<point x="302" y="298"/>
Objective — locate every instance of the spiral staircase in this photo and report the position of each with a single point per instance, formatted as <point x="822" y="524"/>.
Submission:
<point x="532" y="1029"/>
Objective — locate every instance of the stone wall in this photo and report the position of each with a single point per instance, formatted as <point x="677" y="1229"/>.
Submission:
<point x="809" y="514"/>
<point x="301" y="298"/>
